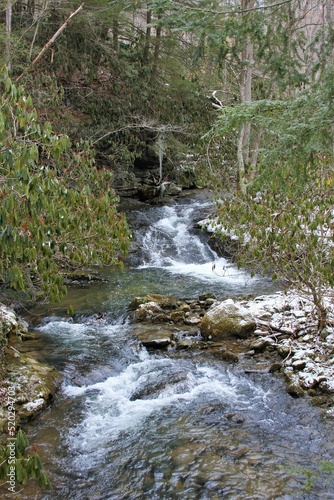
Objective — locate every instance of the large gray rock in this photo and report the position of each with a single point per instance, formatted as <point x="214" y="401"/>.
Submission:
<point x="227" y="319"/>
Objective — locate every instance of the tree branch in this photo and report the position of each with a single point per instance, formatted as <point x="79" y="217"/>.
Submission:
<point x="145" y="126"/>
<point x="238" y="11"/>
<point x="52" y="39"/>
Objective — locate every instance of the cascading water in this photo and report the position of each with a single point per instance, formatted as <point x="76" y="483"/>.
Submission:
<point x="167" y="241"/>
<point x="129" y="424"/>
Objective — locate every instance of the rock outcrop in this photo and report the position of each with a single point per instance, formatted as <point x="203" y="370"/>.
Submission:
<point x="27" y="385"/>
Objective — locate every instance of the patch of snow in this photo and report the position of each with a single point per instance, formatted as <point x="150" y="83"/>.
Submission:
<point x="34" y="405"/>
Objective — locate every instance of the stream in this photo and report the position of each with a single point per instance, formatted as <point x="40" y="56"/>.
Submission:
<point x="132" y="424"/>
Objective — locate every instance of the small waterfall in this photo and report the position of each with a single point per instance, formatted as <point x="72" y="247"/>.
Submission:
<point x="170" y="241"/>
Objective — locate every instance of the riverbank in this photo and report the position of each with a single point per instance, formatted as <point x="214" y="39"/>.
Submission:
<point x="274" y="334"/>
<point x="27" y="386"/>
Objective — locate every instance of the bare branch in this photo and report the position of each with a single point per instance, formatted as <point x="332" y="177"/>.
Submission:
<point x="145" y="126"/>
<point x="52" y="39"/>
<point x="238" y="11"/>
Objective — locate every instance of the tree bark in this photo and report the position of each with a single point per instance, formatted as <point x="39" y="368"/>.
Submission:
<point x="146" y="52"/>
<point x="8" y="33"/>
<point x="115" y="34"/>
<point x="246" y="98"/>
<point x="322" y="312"/>
<point x="156" y="49"/>
<point x="39" y="7"/>
<point x="38" y="12"/>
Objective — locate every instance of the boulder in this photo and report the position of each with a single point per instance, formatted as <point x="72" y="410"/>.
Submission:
<point x="295" y="390"/>
<point x="158" y="339"/>
<point x="164" y="301"/>
<point x="147" y="311"/>
<point x="261" y="344"/>
<point x="227" y="355"/>
<point x="227" y="319"/>
<point x="184" y="344"/>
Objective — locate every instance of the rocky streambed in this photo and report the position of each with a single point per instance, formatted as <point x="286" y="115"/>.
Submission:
<point x="27" y="385"/>
<point x="274" y="334"/>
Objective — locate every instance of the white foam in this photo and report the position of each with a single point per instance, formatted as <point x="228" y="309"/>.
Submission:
<point x="111" y="411"/>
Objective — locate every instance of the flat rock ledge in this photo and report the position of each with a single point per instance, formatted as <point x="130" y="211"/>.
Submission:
<point x="275" y="331"/>
<point x="27" y="386"/>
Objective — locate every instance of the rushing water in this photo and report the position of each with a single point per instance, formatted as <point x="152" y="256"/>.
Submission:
<point x="129" y="424"/>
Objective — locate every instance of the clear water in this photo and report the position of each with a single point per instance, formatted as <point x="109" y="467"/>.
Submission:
<point x="129" y="424"/>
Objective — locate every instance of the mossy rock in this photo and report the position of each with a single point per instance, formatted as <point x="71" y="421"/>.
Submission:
<point x="164" y="301"/>
<point x="225" y="320"/>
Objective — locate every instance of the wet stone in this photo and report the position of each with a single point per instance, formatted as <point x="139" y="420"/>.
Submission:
<point x="284" y="350"/>
<point x="209" y="302"/>
<point x="319" y="401"/>
<point x="184" y="344"/>
<point x="193" y="320"/>
<point x="260" y="344"/>
<point x="227" y="355"/>
<point x="185" y="308"/>
<point x="240" y="452"/>
<point x="205" y="296"/>
<point x="177" y="316"/>
<point x="156" y="340"/>
<point x="235" y="418"/>
<point x="161" y="318"/>
<point x="295" y="390"/>
<point x="299" y="364"/>
<point x="275" y="367"/>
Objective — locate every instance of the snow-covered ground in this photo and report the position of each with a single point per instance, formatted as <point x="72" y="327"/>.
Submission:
<point x="287" y="323"/>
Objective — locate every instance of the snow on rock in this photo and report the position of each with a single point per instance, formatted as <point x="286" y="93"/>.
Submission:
<point x="227" y="319"/>
<point x="32" y="382"/>
<point x="286" y="323"/>
<point x="34" y="406"/>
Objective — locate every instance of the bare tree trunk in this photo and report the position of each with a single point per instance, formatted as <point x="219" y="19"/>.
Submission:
<point x="39" y="10"/>
<point x="39" y="7"/>
<point x="330" y="27"/>
<point x="322" y="312"/>
<point x="115" y="33"/>
<point x="246" y="90"/>
<point x="156" y="49"/>
<point x="8" y="33"/>
<point x="245" y="97"/>
<point x="146" y="52"/>
<point x="329" y="13"/>
<point x="241" y="162"/>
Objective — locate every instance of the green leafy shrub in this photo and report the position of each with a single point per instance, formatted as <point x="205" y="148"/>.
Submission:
<point x="58" y="211"/>
<point x="21" y="463"/>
